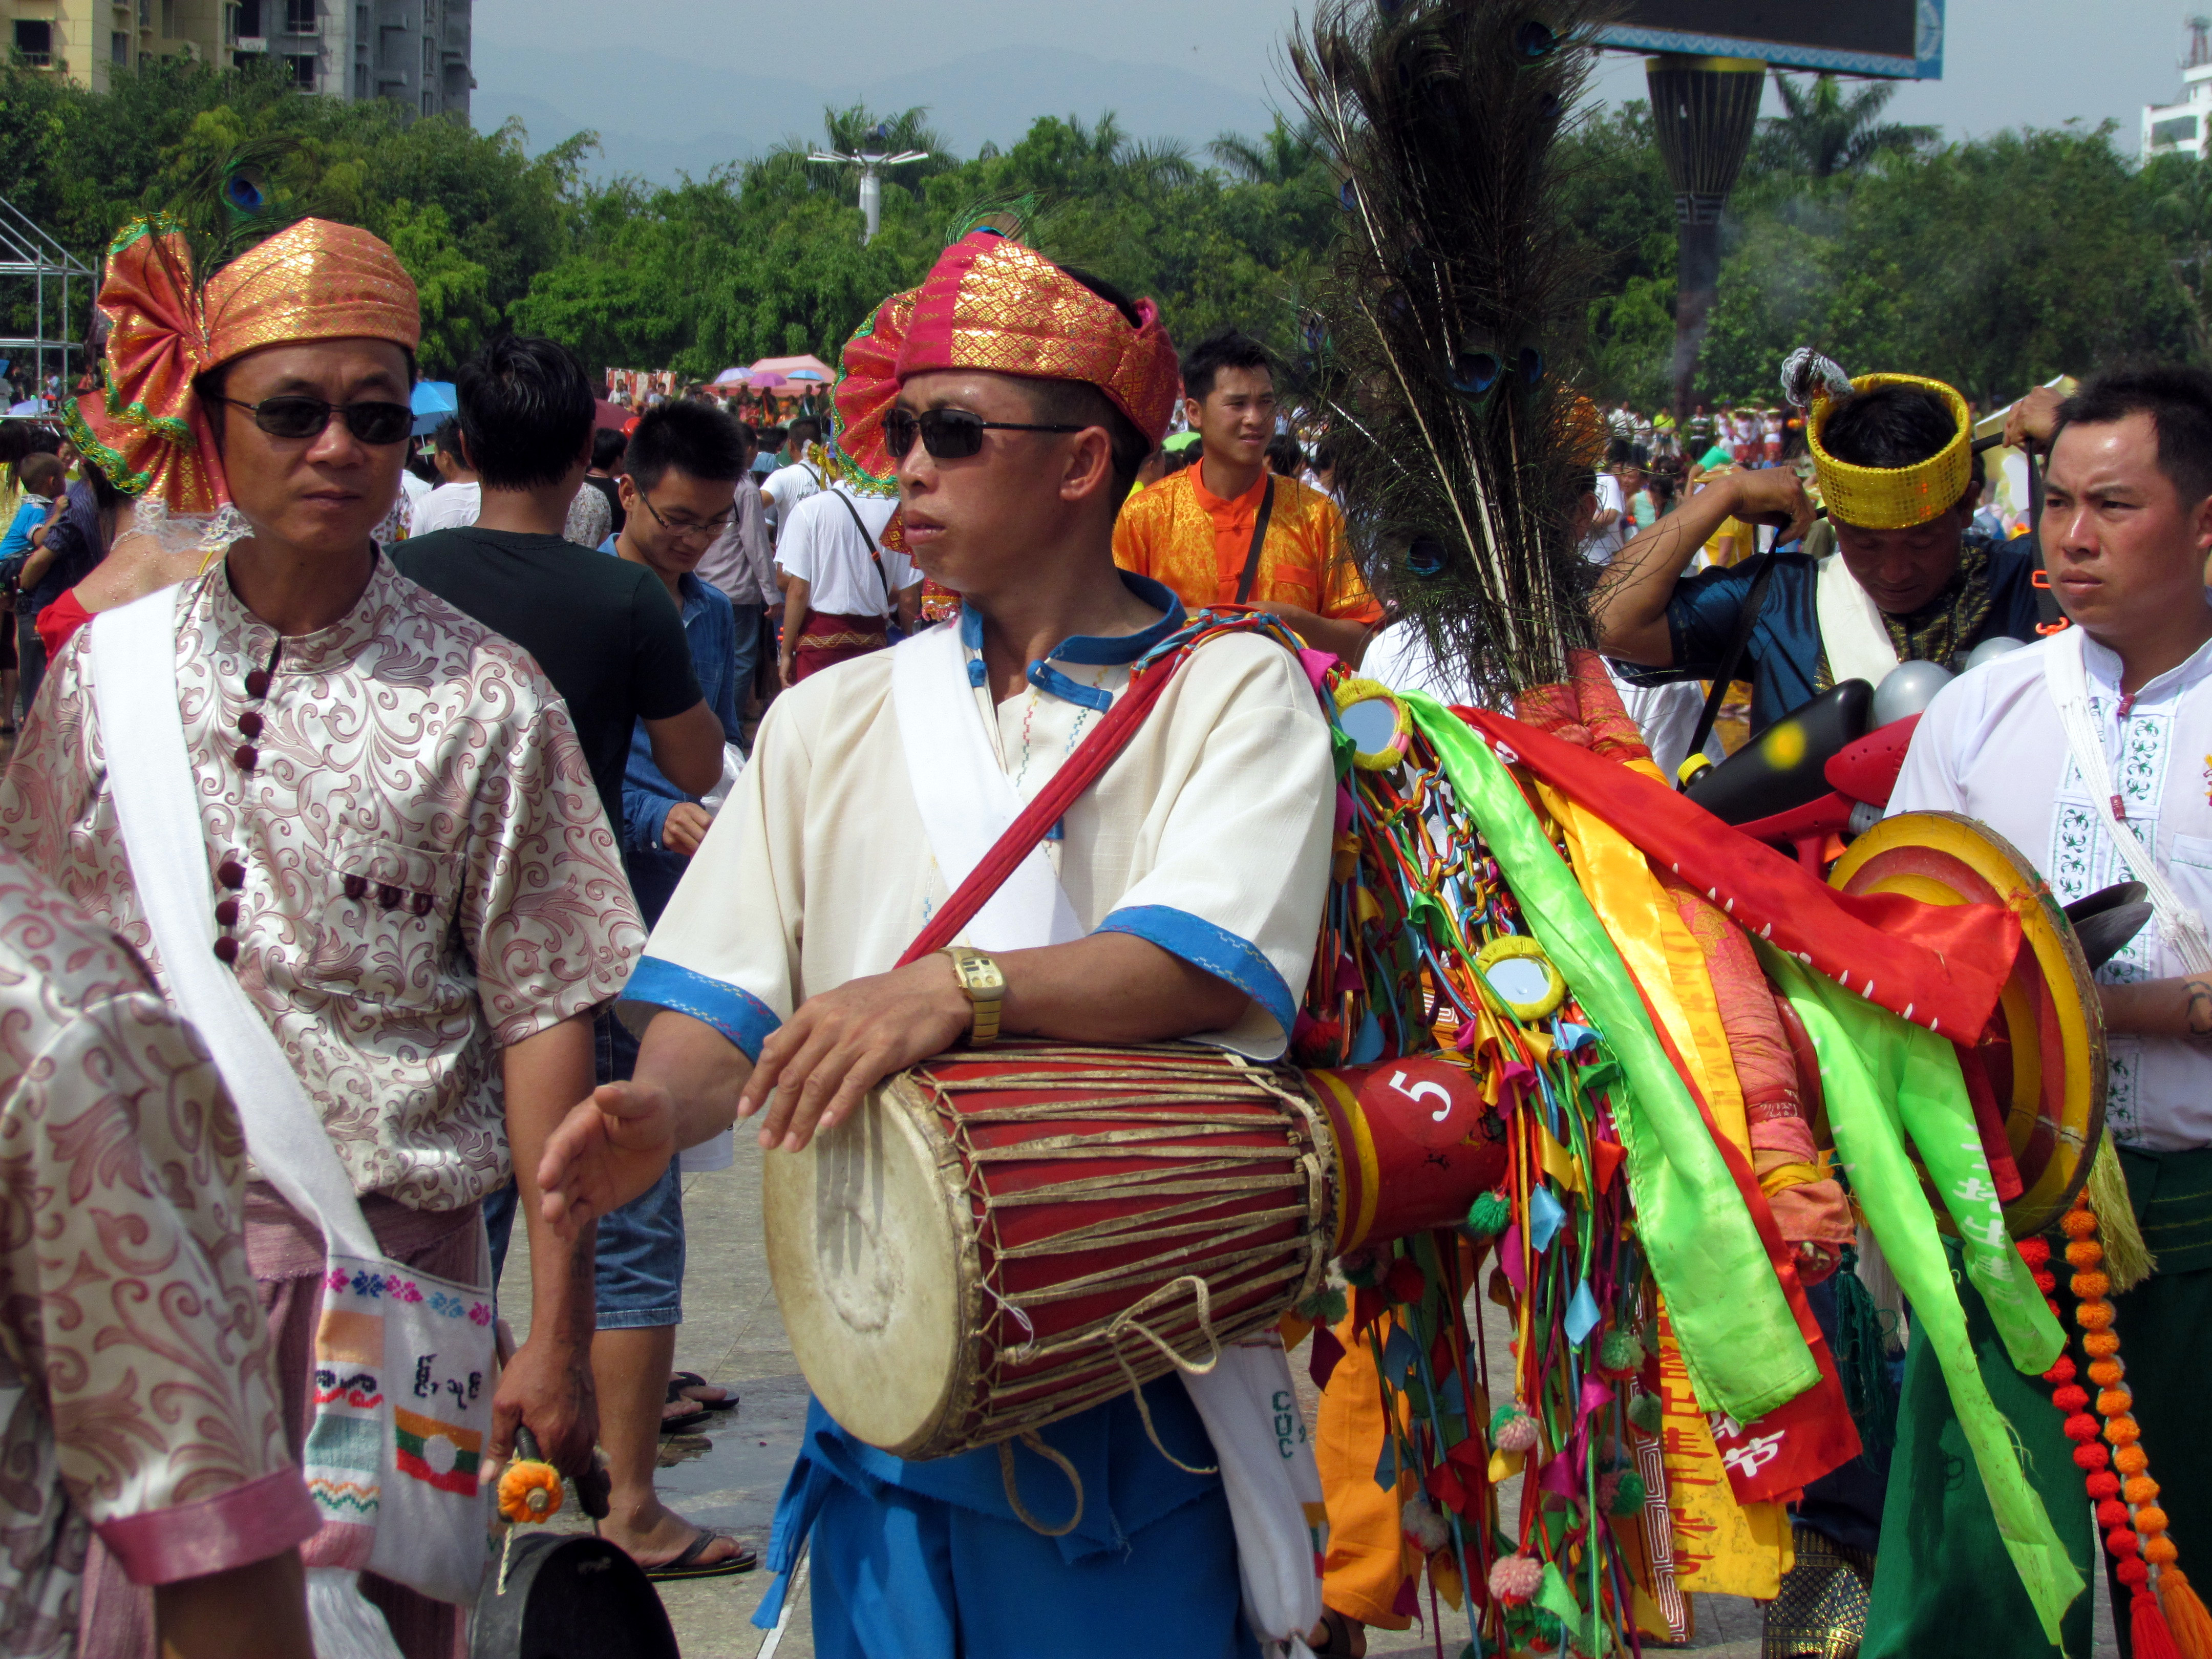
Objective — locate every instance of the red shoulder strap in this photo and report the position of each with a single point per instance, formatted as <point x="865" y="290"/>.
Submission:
<point x="1096" y="753"/>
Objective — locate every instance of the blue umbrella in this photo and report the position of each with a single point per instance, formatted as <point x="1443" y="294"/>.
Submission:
<point x="433" y="401"/>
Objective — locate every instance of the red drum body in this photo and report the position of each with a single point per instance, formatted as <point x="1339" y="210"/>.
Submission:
<point x="1415" y="1145"/>
<point x="996" y="1241"/>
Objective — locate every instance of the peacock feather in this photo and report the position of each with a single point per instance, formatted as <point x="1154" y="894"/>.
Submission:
<point x="1438" y="339"/>
<point x="239" y="198"/>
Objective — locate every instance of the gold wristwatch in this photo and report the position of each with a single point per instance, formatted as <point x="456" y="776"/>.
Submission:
<point x="986" y="987"/>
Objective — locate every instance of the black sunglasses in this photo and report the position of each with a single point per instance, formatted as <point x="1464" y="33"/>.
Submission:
<point x="308" y="417"/>
<point x="949" y="434"/>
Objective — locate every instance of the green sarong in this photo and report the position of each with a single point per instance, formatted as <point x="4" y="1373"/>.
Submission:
<point x="1885" y="1079"/>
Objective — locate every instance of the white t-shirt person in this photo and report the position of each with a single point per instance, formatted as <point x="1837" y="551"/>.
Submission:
<point x="1991" y="746"/>
<point x="449" y="507"/>
<point x="1599" y="545"/>
<point x="823" y="548"/>
<point x="787" y="486"/>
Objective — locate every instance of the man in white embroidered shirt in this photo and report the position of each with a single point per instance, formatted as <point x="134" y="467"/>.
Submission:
<point x="1193" y="870"/>
<point x="2127" y="523"/>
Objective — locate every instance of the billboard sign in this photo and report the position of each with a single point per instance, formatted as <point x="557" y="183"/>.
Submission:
<point x="1897" y="40"/>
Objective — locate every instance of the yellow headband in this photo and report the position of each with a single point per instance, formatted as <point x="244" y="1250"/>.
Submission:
<point x="1893" y="497"/>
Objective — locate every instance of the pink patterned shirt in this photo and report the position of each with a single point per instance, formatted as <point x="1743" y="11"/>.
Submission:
<point x="429" y="873"/>
<point x="135" y="1394"/>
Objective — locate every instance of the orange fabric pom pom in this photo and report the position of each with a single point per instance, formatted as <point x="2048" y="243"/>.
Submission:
<point x="2091" y="1287"/>
<point x="2094" y="1315"/>
<point x="2150" y="1520"/>
<point x="2113" y="1401"/>
<point x="2101" y="1344"/>
<point x="2105" y="1373"/>
<point x="529" y="1491"/>
<point x="2077" y="1224"/>
<point x="2084" y="1253"/>
<point x="2123" y="1431"/>
<point x="2141" y="1490"/>
<point x="2130" y="1460"/>
<point x="2160" y="1551"/>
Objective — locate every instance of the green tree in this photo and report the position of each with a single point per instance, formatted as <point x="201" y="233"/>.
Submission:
<point x="1822" y="132"/>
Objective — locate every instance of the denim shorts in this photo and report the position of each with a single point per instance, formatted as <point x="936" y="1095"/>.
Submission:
<point x="640" y="1271"/>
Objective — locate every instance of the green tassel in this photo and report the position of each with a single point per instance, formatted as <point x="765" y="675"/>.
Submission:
<point x="1861" y="1361"/>
<point x="1620" y="1351"/>
<point x="1489" y="1215"/>
<point x="1629" y="1496"/>
<point x="1646" y="1412"/>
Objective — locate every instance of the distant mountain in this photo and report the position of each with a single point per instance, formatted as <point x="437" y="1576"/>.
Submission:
<point x="658" y="117"/>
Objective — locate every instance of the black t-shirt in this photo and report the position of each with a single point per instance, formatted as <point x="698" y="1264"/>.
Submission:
<point x="604" y="630"/>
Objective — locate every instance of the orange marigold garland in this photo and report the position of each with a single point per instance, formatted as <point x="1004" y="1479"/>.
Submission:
<point x="2119" y="1480"/>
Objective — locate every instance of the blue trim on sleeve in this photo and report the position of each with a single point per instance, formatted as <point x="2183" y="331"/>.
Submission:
<point x="1219" y="952"/>
<point x="737" y="1015"/>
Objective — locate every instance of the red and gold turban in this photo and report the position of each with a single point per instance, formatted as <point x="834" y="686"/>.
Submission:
<point x="316" y="280"/>
<point x="993" y="304"/>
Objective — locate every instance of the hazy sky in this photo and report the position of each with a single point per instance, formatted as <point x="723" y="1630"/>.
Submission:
<point x="2007" y="61"/>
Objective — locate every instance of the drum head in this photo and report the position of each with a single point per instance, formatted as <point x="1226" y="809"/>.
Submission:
<point x="864" y="1245"/>
<point x="2043" y="1052"/>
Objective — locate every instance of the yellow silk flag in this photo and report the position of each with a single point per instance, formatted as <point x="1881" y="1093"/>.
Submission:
<point x="1721" y="1546"/>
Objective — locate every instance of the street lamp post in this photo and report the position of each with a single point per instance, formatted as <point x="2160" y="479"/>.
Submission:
<point x="871" y="164"/>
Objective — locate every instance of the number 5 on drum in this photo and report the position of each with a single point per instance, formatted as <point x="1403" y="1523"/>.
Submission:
<point x="1419" y="1093"/>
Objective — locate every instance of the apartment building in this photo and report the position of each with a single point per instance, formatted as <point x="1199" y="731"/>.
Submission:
<point x="414" y="50"/>
<point x="2185" y="128"/>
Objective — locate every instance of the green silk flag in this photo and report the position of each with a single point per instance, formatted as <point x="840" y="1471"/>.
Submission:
<point x="1885" y="1079"/>
<point x="1740" y="1340"/>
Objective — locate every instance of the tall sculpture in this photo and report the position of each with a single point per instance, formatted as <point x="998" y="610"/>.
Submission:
<point x="1703" y="111"/>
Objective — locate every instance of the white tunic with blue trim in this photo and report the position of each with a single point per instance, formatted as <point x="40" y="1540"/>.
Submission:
<point x="1208" y="835"/>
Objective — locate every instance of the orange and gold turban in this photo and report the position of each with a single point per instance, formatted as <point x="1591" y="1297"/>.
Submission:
<point x="992" y="303"/>
<point x="316" y="280"/>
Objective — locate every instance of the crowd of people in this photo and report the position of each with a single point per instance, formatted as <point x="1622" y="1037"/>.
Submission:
<point x="550" y="825"/>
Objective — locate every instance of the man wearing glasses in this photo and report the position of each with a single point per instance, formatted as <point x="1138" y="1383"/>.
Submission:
<point x="608" y="634"/>
<point x="401" y="861"/>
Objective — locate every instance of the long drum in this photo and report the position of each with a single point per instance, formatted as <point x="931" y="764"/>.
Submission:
<point x="996" y="1241"/>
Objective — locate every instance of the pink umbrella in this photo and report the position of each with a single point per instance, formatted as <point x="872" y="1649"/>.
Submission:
<point x="767" y="380"/>
<point x="613" y="417"/>
<point x="803" y="367"/>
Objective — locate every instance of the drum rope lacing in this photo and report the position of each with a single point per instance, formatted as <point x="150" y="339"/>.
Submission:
<point x="1184" y="1101"/>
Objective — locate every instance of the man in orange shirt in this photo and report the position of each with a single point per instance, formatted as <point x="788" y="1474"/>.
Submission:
<point x="1224" y="532"/>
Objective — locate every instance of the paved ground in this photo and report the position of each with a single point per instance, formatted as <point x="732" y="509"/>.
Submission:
<point x="730" y="1476"/>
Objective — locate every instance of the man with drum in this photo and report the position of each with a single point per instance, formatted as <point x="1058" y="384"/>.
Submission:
<point x="1178" y="897"/>
<point x="2123" y="699"/>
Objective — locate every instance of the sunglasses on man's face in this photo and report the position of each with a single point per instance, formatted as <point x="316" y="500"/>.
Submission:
<point x="949" y="434"/>
<point x="295" y="416"/>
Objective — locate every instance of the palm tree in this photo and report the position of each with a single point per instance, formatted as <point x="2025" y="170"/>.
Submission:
<point x="854" y="130"/>
<point x="1276" y="157"/>
<point x="1824" y="133"/>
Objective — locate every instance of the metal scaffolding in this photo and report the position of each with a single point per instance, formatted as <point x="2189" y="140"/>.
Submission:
<point x="27" y="253"/>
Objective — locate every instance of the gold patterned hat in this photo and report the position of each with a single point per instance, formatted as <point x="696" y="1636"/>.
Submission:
<point x="145" y="428"/>
<point x="992" y="303"/>
<point x="1893" y="497"/>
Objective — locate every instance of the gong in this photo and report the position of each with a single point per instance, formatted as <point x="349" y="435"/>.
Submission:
<point x="2042" y="1051"/>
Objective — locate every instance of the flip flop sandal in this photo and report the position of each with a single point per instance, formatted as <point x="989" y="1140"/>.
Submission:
<point x="687" y="1565"/>
<point x="682" y="1380"/>
<point x="686" y="1423"/>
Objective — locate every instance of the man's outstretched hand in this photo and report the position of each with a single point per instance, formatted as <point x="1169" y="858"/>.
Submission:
<point x="821" y="1062"/>
<point x="609" y="1150"/>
